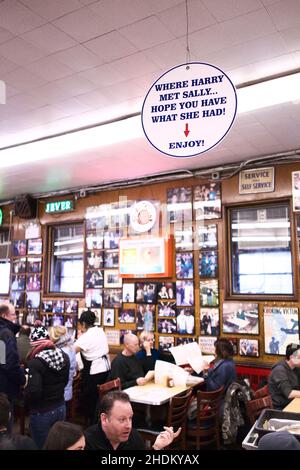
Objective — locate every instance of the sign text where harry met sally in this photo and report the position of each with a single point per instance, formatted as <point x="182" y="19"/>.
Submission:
<point x="189" y="109"/>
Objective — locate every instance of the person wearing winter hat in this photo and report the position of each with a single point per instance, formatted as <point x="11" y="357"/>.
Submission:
<point x="278" y="440"/>
<point x="62" y="339"/>
<point x="93" y="346"/>
<point x="47" y="377"/>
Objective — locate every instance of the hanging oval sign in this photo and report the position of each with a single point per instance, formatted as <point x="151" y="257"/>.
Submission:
<point x="189" y="109"/>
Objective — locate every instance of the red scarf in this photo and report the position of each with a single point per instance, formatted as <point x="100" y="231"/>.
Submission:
<point x="38" y="346"/>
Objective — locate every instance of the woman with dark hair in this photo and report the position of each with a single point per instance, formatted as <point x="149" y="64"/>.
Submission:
<point x="223" y="373"/>
<point x="93" y="347"/>
<point x="65" y="436"/>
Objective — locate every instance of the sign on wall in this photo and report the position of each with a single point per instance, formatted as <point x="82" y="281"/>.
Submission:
<point x="189" y="109"/>
<point x="59" y="206"/>
<point x="260" y="180"/>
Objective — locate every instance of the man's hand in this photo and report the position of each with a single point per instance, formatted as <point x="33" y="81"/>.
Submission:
<point x="165" y="438"/>
<point x="141" y="381"/>
<point x="147" y="347"/>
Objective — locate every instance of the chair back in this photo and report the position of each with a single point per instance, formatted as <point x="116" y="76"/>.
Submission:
<point x="205" y="429"/>
<point x="261" y="392"/>
<point x="109" y="387"/>
<point x="256" y="406"/>
<point x="177" y="417"/>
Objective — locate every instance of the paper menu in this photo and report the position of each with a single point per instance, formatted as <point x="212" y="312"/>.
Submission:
<point x="164" y="370"/>
<point x="190" y="353"/>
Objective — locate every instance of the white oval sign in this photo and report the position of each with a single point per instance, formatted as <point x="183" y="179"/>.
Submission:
<point x="189" y="109"/>
<point x="142" y="216"/>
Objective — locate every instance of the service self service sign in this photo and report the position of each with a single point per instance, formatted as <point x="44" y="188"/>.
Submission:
<point x="189" y="109"/>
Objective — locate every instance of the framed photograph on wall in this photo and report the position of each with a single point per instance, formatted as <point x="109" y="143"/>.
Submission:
<point x="166" y="309"/>
<point x="111" y="278"/>
<point x="184" y="265"/>
<point x="34" y="282"/>
<point x="146" y="292"/>
<point x="126" y="315"/>
<point x="234" y="343"/>
<point x="240" y="317"/>
<point x="207" y="201"/>
<point x="47" y="306"/>
<point x="209" y="322"/>
<point x="35" y="246"/>
<point x="108" y="317"/>
<point x="19" y="247"/>
<point x="183" y="236"/>
<point x="165" y="325"/>
<point x="208" y="263"/>
<point x="184" y="340"/>
<point x="17" y="282"/>
<point x="145" y="317"/>
<point x="33" y="300"/>
<point x="19" y="266"/>
<point x="94" y="279"/>
<point x="281" y="327"/>
<point x="179" y="204"/>
<point x="166" y="291"/>
<point x="296" y="190"/>
<point x="248" y="347"/>
<point x="18" y="299"/>
<point x="34" y="265"/>
<point x="71" y="306"/>
<point x="165" y="342"/>
<point x="94" y="259"/>
<point x="185" y="320"/>
<point x="94" y="298"/>
<point x="209" y="293"/>
<point x="185" y="293"/>
<point x="112" y="298"/>
<point x="128" y="292"/>
<point x="207" y="236"/>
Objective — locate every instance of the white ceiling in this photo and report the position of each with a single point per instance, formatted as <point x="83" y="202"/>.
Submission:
<point x="74" y="63"/>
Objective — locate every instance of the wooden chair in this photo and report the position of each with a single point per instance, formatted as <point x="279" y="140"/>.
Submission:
<point x="256" y="406"/>
<point x="109" y="387"/>
<point x="102" y="390"/>
<point x="204" y="430"/>
<point x="177" y="417"/>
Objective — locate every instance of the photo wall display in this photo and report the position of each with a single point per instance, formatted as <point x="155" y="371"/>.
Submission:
<point x="209" y="293"/>
<point x="208" y="264"/>
<point x="207" y="344"/>
<point x="184" y="237"/>
<point x="26" y="276"/>
<point x="145" y="317"/>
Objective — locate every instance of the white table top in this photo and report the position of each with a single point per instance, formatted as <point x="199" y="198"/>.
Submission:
<point x="153" y="394"/>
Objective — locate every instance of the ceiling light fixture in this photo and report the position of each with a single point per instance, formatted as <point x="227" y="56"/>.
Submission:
<point x="250" y="98"/>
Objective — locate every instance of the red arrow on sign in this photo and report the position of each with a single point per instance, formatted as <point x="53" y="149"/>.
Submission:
<point x="186" y="132"/>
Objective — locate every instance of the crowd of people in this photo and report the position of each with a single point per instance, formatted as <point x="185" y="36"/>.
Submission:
<point x="39" y="366"/>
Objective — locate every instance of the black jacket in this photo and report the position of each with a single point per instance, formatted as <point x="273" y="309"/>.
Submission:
<point x="12" y="376"/>
<point x="96" y="440"/>
<point x="48" y="376"/>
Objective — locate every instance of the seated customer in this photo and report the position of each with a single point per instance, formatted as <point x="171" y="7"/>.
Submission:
<point x="223" y="373"/>
<point x="284" y="380"/>
<point x="126" y="366"/>
<point x="279" y="440"/>
<point x="147" y="354"/>
<point x="114" y="430"/>
<point x="65" y="436"/>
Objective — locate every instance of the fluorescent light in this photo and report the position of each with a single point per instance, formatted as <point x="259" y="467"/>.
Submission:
<point x="269" y="93"/>
<point x="95" y="137"/>
<point x="260" y="95"/>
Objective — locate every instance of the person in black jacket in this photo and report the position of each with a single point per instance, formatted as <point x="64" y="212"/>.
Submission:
<point x="12" y="376"/>
<point x="126" y="366"/>
<point x="114" y="430"/>
<point x="48" y="375"/>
